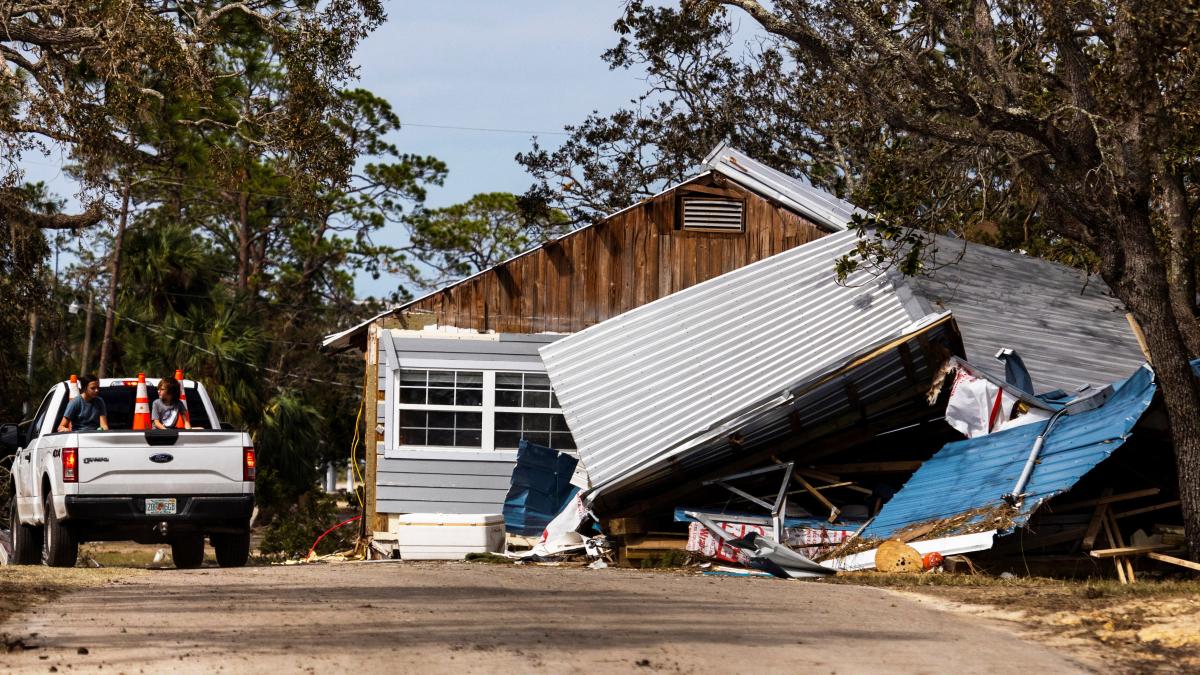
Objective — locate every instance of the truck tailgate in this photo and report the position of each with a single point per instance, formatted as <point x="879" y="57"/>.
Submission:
<point x="125" y="462"/>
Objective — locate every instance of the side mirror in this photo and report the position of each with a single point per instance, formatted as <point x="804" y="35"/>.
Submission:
<point x="11" y="436"/>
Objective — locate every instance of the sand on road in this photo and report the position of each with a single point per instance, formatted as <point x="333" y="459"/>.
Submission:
<point x="475" y="618"/>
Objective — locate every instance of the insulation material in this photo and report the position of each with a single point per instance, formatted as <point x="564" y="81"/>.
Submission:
<point x="977" y="406"/>
<point x="807" y="541"/>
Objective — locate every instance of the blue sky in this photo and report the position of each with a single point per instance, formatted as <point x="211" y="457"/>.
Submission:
<point x="517" y="64"/>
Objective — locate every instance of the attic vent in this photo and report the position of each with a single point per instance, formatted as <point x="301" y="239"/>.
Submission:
<point x="713" y="214"/>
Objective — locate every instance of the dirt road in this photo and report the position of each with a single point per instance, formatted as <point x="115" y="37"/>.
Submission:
<point x="474" y="618"/>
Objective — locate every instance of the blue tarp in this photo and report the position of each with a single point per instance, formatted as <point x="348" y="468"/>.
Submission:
<point x="541" y="487"/>
<point x="975" y="473"/>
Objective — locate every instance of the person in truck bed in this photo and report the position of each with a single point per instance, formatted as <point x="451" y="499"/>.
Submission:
<point x="168" y="411"/>
<point x="87" y="411"/>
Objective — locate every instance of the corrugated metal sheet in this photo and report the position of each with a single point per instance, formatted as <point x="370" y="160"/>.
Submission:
<point x="656" y="381"/>
<point x="975" y="473"/>
<point x="1068" y="328"/>
<point x="875" y="394"/>
<point x="795" y="193"/>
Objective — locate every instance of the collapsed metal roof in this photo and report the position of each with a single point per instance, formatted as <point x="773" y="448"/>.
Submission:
<point x="657" y="392"/>
<point x="660" y="380"/>
<point x="1067" y="326"/>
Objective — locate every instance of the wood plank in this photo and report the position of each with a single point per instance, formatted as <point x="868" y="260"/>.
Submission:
<point x="1129" y="550"/>
<point x="1153" y="555"/>
<point x="1093" y="530"/>
<point x="834" y="511"/>
<point x="1147" y="509"/>
<point x="1136" y="494"/>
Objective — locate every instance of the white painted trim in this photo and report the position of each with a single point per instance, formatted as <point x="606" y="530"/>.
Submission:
<point x="963" y="543"/>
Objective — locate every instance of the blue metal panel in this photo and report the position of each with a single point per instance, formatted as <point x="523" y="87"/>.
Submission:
<point x="541" y="487"/>
<point x="974" y="474"/>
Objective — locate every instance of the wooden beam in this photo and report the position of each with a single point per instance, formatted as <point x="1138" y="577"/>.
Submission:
<point x="1173" y="560"/>
<point x="834" y="511"/>
<point x="1148" y="492"/>
<point x="1137" y="332"/>
<point x="870" y="467"/>
<point x="1129" y="550"/>
<point x="834" y="481"/>
<point x="1147" y="509"/>
<point x="1093" y="530"/>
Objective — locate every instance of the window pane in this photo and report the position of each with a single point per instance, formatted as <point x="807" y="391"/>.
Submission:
<point x="412" y="418"/>
<point x="441" y="437"/>
<point x="470" y="380"/>
<point x="411" y="395"/>
<point x="507" y="439"/>
<point x="412" y="437"/>
<point x="469" y="397"/>
<point x="508" y="380"/>
<point x="412" y="377"/>
<point x="539" y="438"/>
<point x="468" y="439"/>
<point x="441" y="420"/>
<point x="441" y="397"/>
<point x="554" y="400"/>
<point x="563" y="442"/>
<point x="441" y="378"/>
<point x="535" y="422"/>
<point x="469" y="420"/>
<point x="536" y="381"/>
<point x="508" y="421"/>
<point x="537" y="399"/>
<point x="559" y="423"/>
<point x="508" y="399"/>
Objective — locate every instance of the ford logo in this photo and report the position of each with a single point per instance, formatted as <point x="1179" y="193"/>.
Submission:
<point x="161" y="458"/>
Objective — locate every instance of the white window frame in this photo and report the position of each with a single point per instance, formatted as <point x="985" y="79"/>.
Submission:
<point x="488" y="409"/>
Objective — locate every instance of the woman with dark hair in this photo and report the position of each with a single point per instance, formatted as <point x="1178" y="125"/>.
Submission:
<point x="168" y="411"/>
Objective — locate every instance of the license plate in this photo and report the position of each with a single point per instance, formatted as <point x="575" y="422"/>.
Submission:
<point x="161" y="507"/>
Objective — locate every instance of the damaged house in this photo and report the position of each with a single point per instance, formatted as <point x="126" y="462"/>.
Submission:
<point x="702" y="336"/>
<point x="459" y="378"/>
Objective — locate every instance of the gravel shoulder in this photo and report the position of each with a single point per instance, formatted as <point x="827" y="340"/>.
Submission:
<point x="474" y="618"/>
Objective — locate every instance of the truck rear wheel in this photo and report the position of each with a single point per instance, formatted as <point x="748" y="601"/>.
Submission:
<point x="188" y="552"/>
<point x="60" y="548"/>
<point x="26" y="539"/>
<point x="232" y="549"/>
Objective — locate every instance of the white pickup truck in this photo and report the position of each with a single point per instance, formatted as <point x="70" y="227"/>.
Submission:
<point x="173" y="486"/>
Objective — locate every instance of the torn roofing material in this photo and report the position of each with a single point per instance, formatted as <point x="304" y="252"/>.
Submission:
<point x="1067" y="326"/>
<point x="973" y="475"/>
<point x="654" y="382"/>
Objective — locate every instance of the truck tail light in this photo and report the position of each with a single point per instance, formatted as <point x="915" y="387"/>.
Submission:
<point x="70" y="465"/>
<point x="248" y="464"/>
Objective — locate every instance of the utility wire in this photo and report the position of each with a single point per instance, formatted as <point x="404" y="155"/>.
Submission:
<point x="165" y="332"/>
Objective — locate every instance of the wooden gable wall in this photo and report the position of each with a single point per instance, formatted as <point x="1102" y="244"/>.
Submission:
<point x="630" y="258"/>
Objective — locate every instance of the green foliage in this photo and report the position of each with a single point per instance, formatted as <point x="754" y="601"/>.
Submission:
<point x="456" y="241"/>
<point x="24" y="288"/>
<point x="292" y="533"/>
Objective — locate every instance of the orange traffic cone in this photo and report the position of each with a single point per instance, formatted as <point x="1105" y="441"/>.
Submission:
<point x="72" y="392"/>
<point x="185" y="416"/>
<point x="141" y="406"/>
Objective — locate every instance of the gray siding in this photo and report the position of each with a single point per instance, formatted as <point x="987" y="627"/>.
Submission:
<point x="438" y="485"/>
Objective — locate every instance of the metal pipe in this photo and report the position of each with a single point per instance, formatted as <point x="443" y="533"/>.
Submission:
<point x="1015" y="496"/>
